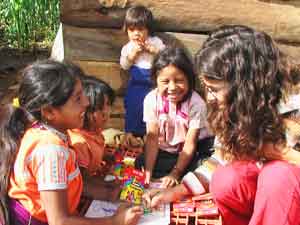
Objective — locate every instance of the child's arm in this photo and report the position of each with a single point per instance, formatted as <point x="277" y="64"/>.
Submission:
<point x="53" y="189"/>
<point x="155" y="47"/>
<point x="129" y="55"/>
<point x="151" y="48"/>
<point x="184" y="158"/>
<point x="154" y="198"/>
<point x="151" y="149"/>
<point x="191" y="185"/>
<point x="56" y="207"/>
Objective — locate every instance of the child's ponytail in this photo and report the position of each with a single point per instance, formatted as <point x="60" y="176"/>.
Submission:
<point x="43" y="83"/>
<point x="13" y="122"/>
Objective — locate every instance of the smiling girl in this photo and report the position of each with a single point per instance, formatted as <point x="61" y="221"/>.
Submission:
<point x="45" y="183"/>
<point x="175" y="116"/>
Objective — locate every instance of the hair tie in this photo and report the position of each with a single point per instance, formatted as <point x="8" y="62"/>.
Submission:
<point x="16" y="103"/>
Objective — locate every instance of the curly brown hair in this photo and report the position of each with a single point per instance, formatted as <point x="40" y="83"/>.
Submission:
<point x="250" y="62"/>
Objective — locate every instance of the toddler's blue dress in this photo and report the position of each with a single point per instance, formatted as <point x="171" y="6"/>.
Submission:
<point x="139" y="85"/>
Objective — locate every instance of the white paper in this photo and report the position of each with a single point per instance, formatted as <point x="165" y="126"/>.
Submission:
<point x="103" y="209"/>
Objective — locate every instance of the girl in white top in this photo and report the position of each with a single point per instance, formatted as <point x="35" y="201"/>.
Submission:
<point x="175" y="116"/>
<point x="136" y="57"/>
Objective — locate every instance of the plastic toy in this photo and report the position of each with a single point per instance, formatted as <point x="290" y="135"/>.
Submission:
<point x="186" y="206"/>
<point x="133" y="186"/>
<point x="198" y="210"/>
<point x="118" y="166"/>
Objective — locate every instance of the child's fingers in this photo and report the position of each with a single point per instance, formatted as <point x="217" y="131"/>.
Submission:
<point x="127" y="215"/>
<point x="147" y="199"/>
<point x="123" y="205"/>
<point x="164" y="182"/>
<point x="136" y="209"/>
<point x="156" y="201"/>
<point x="147" y="177"/>
<point x="135" y="213"/>
<point x="168" y="181"/>
<point x="140" y="41"/>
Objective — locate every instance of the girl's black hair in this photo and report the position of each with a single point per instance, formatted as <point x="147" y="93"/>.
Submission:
<point x="96" y="90"/>
<point x="43" y="83"/>
<point x="177" y="57"/>
<point x="139" y="16"/>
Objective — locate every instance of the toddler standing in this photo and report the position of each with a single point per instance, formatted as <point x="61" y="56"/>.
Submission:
<point x="137" y="56"/>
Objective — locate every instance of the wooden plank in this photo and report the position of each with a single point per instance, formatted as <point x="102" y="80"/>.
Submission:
<point x="293" y="51"/>
<point x="93" y="44"/>
<point x="116" y="119"/>
<point x="102" y="44"/>
<point x="279" y="18"/>
<point x="117" y="115"/>
<point x="107" y="71"/>
<point x="191" y="42"/>
<point x="98" y="44"/>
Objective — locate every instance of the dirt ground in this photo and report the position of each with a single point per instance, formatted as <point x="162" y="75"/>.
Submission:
<point x="11" y="64"/>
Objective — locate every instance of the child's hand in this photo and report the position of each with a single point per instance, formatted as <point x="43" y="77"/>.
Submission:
<point x="150" y="48"/>
<point x="147" y="177"/>
<point x="127" y="215"/>
<point x="155" y="197"/>
<point x="168" y="181"/>
<point x="137" y="49"/>
<point x="148" y="196"/>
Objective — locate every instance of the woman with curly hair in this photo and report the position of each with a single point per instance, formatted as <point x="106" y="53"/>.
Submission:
<point x="244" y="76"/>
<point x="244" y="81"/>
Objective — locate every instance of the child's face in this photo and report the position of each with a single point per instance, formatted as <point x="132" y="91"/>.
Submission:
<point x="137" y="34"/>
<point x="172" y="83"/>
<point x="101" y="116"/>
<point x="71" y="114"/>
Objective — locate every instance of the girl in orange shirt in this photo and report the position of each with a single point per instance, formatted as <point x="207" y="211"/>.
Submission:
<point x="45" y="184"/>
<point x="88" y="142"/>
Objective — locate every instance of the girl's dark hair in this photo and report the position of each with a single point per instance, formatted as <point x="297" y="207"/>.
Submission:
<point x="96" y="89"/>
<point x="249" y="62"/>
<point x="43" y="83"/>
<point x="177" y="57"/>
<point x="139" y="16"/>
